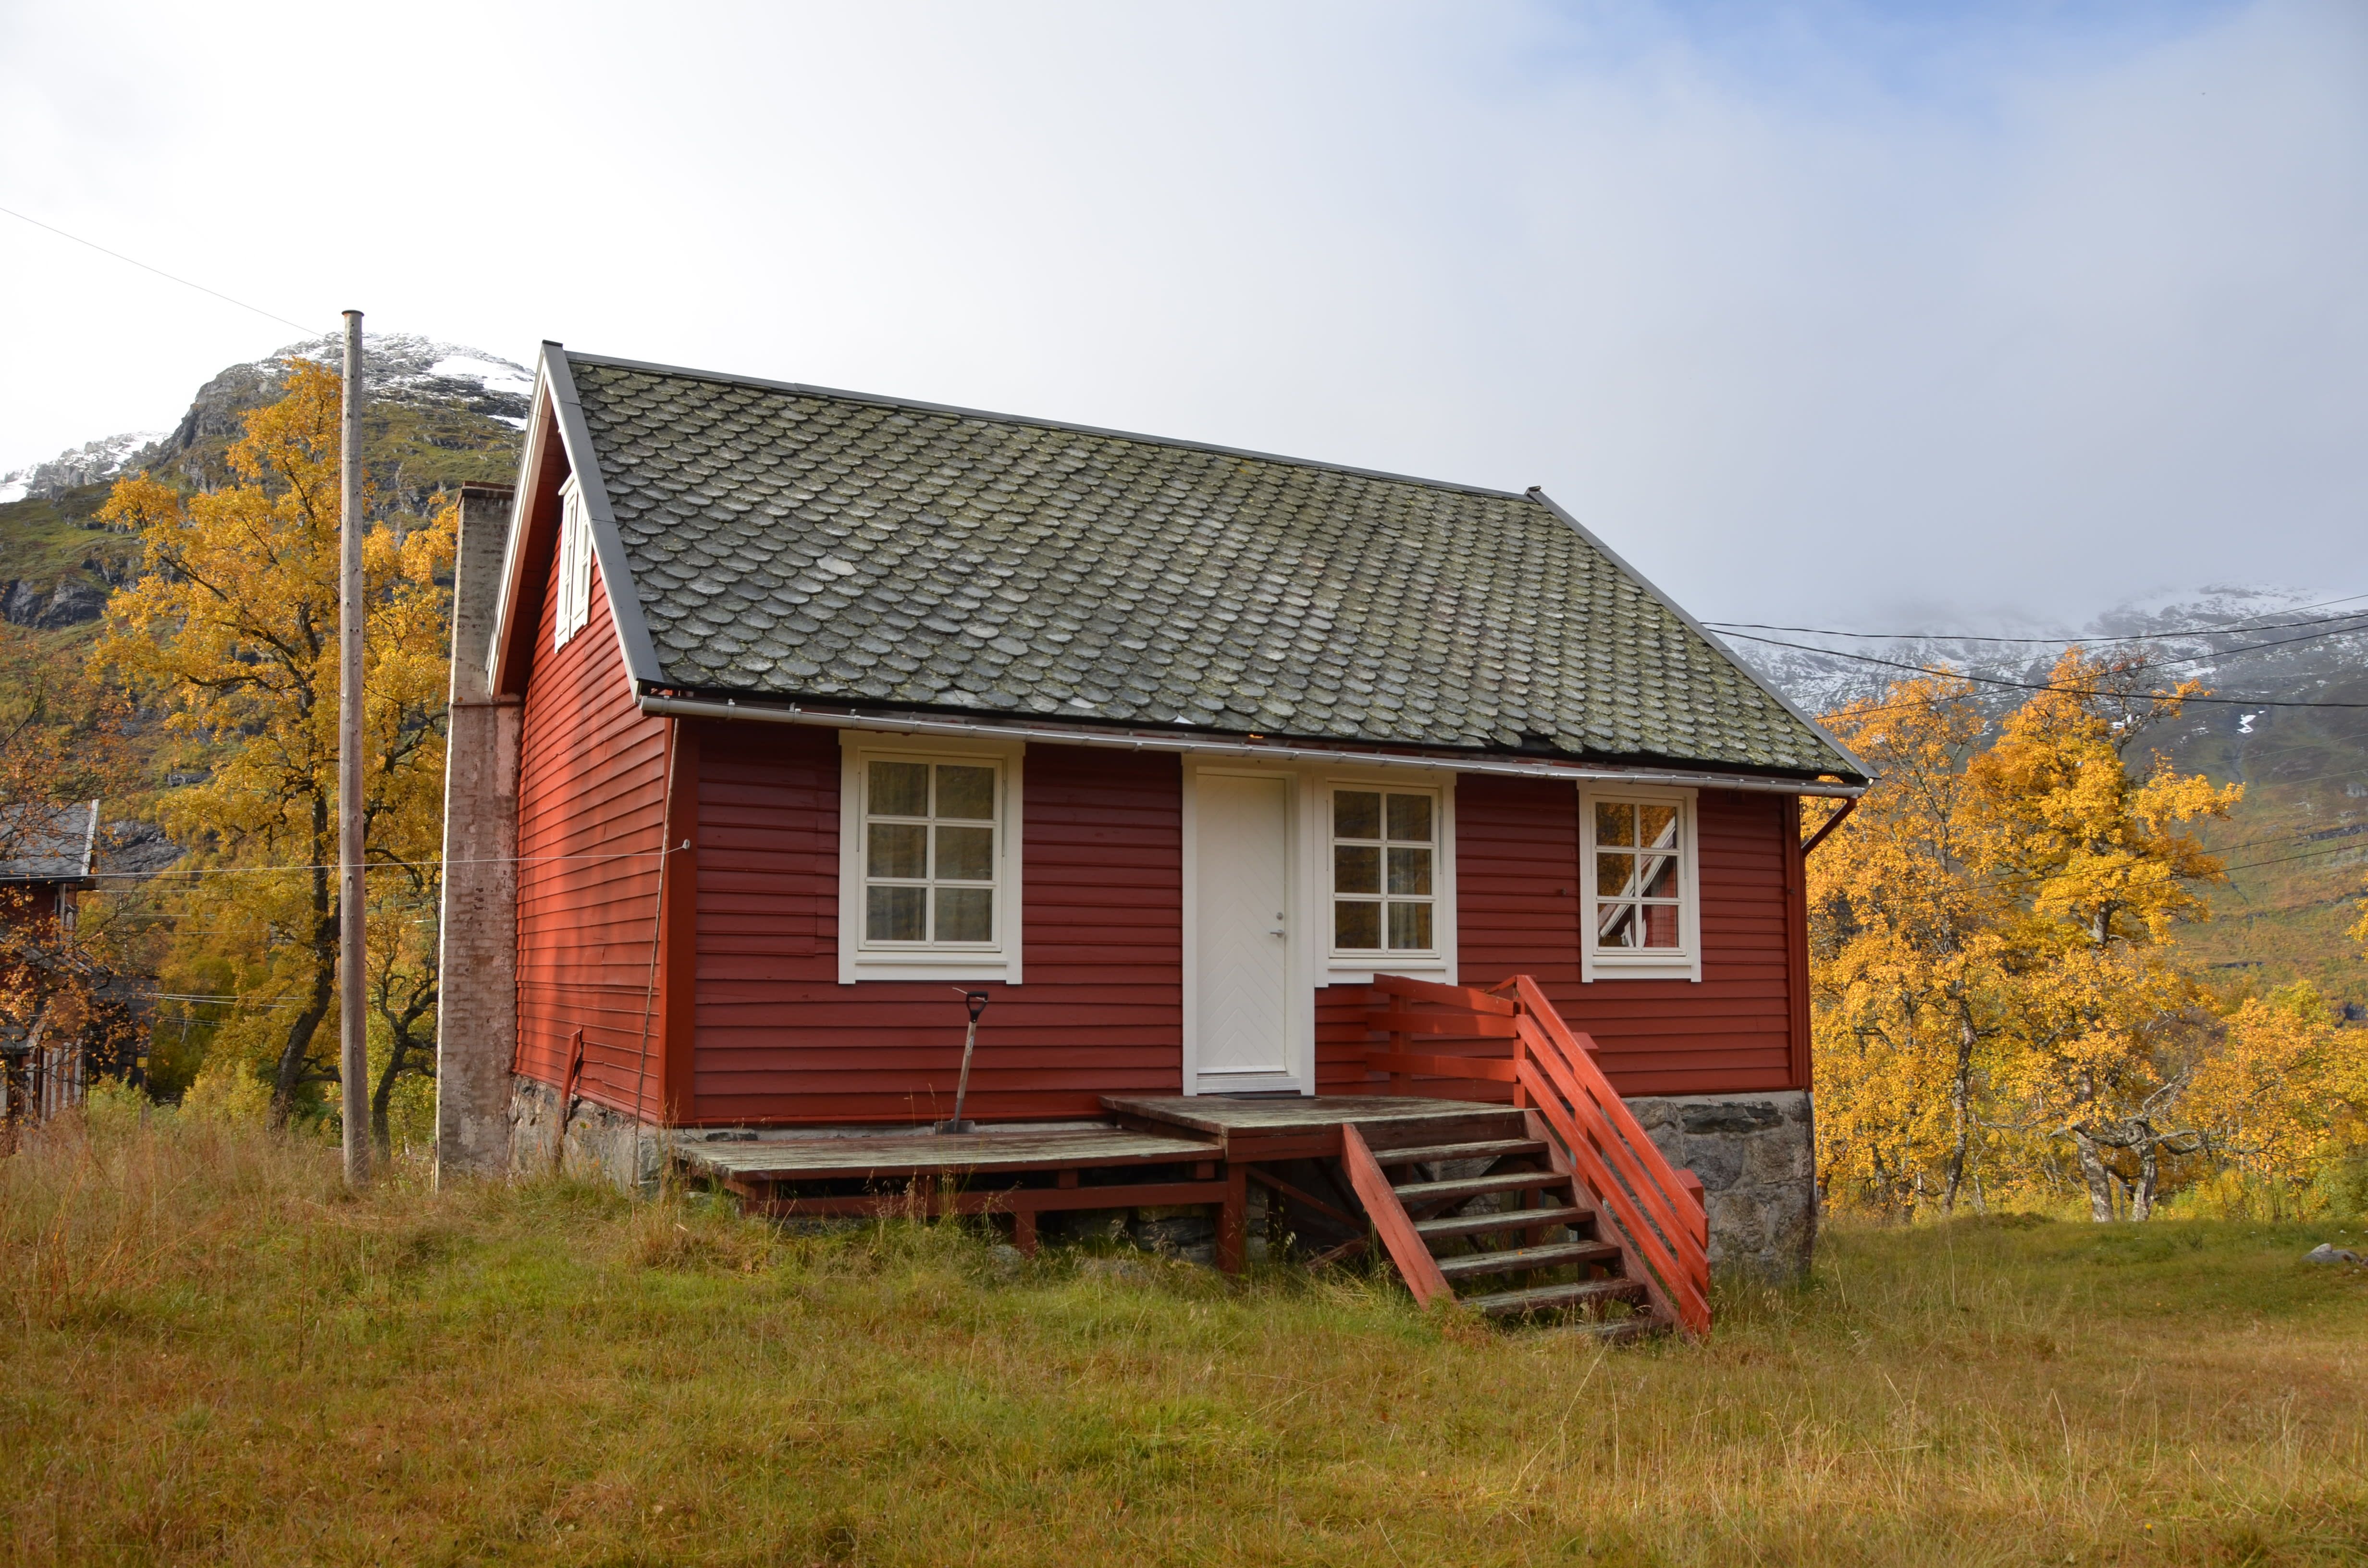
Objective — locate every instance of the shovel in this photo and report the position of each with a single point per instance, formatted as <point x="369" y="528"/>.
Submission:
<point x="977" y="1000"/>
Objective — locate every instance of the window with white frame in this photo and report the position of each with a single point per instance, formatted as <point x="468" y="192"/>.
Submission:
<point x="573" y="582"/>
<point x="1385" y="870"/>
<point x="1643" y="918"/>
<point x="928" y="880"/>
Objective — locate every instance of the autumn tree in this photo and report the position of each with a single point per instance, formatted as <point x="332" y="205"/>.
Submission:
<point x="2283" y="1095"/>
<point x="2088" y="837"/>
<point x="1990" y="960"/>
<point x="233" y="631"/>
<point x="1913" y="979"/>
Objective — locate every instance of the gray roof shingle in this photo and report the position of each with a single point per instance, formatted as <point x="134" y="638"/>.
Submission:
<point x="799" y="544"/>
<point x="43" y="842"/>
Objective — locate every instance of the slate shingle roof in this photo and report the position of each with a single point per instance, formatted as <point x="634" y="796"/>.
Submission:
<point x="799" y="544"/>
<point x="42" y="843"/>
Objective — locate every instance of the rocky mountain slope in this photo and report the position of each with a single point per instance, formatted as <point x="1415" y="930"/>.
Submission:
<point x="439" y="415"/>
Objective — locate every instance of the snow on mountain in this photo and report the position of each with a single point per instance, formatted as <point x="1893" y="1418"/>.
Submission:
<point x="89" y="463"/>
<point x="2275" y="640"/>
<point x="407" y="367"/>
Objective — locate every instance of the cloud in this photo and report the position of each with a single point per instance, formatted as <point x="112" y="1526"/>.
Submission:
<point x="1816" y="310"/>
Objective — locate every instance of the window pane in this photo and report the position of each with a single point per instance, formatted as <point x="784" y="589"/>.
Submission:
<point x="898" y="850"/>
<point x="1615" y="822"/>
<point x="1409" y="872"/>
<point x="1658" y="874"/>
<point x="1356" y="867"/>
<point x="1657" y="826"/>
<point x="894" y="915"/>
<point x="1410" y="818"/>
<point x="966" y="853"/>
<point x="900" y="790"/>
<point x="965" y="914"/>
<point x="1355" y="813"/>
<point x="966" y="792"/>
<point x="1356" y="924"/>
<point x="1661" y="925"/>
<point x="1615" y="924"/>
<point x="1611" y="874"/>
<point x="1410" y="926"/>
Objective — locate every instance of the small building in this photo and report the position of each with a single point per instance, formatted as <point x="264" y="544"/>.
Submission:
<point x="46" y="857"/>
<point x="46" y="852"/>
<point x="784" y="717"/>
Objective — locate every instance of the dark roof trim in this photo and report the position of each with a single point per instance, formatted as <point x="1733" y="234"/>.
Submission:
<point x="555" y="390"/>
<point x="1350" y="754"/>
<point x="640" y="654"/>
<point x="531" y="457"/>
<point x="1865" y="774"/>
<point x="804" y="390"/>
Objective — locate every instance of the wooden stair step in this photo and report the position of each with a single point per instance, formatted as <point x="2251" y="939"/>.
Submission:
<point x="1493" y="1149"/>
<point x="1503" y="1219"/>
<point x="1472" y="1187"/>
<point x="1546" y="1254"/>
<point x="1554" y="1298"/>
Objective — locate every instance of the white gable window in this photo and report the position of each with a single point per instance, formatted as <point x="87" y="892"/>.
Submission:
<point x="1643" y="912"/>
<point x="928" y="859"/>
<point x="573" y="581"/>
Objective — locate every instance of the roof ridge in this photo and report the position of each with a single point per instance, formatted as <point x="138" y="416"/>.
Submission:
<point x="808" y="389"/>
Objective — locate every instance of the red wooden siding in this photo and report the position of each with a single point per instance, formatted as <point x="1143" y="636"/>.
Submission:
<point x="1517" y="911"/>
<point x="1100" y="1011"/>
<point x="591" y="770"/>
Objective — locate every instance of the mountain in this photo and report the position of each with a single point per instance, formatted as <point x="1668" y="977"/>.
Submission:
<point x="93" y="462"/>
<point x="2296" y="846"/>
<point x="438" y="415"/>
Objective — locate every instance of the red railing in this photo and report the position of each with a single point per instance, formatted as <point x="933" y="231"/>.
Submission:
<point x="1656" y="1212"/>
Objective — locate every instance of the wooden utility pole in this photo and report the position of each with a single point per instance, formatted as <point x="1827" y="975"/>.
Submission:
<point x="353" y="1019"/>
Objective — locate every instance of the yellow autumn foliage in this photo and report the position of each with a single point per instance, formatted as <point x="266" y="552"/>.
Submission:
<point x="1997" y="1007"/>
<point x="233" y="633"/>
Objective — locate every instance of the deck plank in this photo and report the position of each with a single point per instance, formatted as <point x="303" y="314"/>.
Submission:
<point x="1278" y="1114"/>
<point x="916" y="1154"/>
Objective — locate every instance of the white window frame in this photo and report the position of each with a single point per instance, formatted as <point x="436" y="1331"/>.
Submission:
<point x="573" y="580"/>
<point x="1357" y="966"/>
<point x="1681" y="963"/>
<point x="860" y="960"/>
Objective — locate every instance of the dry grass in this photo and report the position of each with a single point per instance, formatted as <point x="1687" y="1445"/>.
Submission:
<point x="209" y="1354"/>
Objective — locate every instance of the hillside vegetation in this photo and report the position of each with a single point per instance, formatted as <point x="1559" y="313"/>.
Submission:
<point x="215" y="1355"/>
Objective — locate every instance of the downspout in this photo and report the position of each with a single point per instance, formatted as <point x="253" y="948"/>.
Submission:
<point x="657" y="917"/>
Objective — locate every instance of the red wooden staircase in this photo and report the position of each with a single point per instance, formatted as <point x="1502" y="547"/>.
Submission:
<point x="1558" y="1203"/>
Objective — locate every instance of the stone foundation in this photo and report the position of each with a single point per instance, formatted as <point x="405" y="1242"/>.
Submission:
<point x="602" y="1144"/>
<point x="1757" y="1157"/>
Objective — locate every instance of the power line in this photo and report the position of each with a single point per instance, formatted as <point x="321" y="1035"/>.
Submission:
<point x="2281" y="859"/>
<point x="2054" y="642"/>
<point x="134" y="261"/>
<point x="376" y="865"/>
<point x="2262" y="702"/>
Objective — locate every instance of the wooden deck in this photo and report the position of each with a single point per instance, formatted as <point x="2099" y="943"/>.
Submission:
<point x="1156" y="1151"/>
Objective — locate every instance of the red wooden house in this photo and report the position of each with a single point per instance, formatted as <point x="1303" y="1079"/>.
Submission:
<point x="784" y="715"/>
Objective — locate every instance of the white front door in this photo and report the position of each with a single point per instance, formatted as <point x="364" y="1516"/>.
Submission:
<point x="1239" y="1032"/>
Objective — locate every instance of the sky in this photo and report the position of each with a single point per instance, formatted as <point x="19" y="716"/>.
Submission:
<point x="1921" y="316"/>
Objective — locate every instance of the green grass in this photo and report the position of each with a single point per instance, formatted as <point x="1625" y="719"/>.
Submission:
<point x="209" y="1354"/>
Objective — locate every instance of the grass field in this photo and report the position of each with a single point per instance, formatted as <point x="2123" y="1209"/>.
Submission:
<point x="207" y="1354"/>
